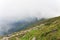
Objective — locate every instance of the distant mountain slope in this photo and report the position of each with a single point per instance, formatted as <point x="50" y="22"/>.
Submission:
<point x="7" y="27"/>
<point x="45" y="30"/>
<point x="22" y="24"/>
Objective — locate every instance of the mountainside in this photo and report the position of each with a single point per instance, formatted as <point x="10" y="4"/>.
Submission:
<point x="8" y="27"/>
<point x="48" y="29"/>
<point x="22" y="24"/>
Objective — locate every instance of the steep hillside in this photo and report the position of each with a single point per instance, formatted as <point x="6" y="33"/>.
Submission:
<point x="45" y="30"/>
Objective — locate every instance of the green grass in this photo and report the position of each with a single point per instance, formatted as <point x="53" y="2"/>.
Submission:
<point x="49" y="31"/>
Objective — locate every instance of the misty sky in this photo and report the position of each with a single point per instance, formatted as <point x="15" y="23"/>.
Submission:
<point x="24" y="8"/>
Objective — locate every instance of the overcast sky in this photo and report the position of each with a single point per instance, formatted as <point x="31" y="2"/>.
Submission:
<point x="24" y="8"/>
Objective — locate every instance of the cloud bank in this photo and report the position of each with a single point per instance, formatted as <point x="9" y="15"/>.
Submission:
<point x="10" y="9"/>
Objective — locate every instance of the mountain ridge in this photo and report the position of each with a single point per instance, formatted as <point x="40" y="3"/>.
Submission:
<point x="48" y="29"/>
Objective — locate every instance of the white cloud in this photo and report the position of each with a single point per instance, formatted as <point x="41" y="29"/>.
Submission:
<point x="23" y="8"/>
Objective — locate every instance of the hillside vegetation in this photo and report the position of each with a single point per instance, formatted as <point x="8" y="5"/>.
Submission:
<point x="45" y="30"/>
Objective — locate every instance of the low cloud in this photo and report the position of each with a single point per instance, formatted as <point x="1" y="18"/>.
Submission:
<point x="19" y="9"/>
<point x="23" y="8"/>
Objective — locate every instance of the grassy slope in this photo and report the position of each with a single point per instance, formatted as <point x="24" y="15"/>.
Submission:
<point x="47" y="30"/>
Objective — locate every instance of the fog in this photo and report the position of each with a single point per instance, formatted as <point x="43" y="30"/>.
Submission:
<point x="19" y="9"/>
<point x="23" y="8"/>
